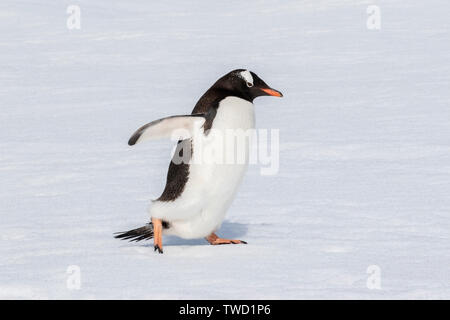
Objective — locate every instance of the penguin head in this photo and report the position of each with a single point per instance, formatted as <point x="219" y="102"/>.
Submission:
<point x="246" y="84"/>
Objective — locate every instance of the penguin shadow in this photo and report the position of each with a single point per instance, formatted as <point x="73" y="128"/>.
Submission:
<point x="228" y="230"/>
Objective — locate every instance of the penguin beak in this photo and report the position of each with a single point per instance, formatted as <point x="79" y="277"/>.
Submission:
<point x="272" y="92"/>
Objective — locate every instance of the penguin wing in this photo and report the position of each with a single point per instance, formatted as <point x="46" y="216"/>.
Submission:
<point x="175" y="127"/>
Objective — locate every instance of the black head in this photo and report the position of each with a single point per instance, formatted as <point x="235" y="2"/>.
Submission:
<point x="245" y="84"/>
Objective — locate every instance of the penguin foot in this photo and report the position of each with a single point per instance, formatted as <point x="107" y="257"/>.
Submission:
<point x="213" y="239"/>
<point x="157" y="234"/>
<point x="157" y="248"/>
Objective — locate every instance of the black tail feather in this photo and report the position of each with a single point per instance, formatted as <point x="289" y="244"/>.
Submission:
<point x="142" y="233"/>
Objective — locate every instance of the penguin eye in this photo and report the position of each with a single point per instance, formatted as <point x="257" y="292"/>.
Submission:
<point x="249" y="84"/>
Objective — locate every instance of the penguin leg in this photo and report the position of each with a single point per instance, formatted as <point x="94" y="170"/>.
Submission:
<point x="215" y="240"/>
<point x="157" y="234"/>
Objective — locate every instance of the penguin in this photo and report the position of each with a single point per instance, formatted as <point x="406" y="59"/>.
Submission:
<point x="197" y="194"/>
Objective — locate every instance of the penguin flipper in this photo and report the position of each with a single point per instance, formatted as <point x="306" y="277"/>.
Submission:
<point x="175" y="127"/>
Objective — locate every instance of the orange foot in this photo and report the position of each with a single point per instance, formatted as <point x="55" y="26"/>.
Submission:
<point x="215" y="240"/>
<point x="157" y="234"/>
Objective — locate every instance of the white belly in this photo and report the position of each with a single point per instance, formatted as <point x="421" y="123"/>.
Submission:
<point x="212" y="185"/>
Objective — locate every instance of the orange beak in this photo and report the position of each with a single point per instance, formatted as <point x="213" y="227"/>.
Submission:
<point x="272" y="92"/>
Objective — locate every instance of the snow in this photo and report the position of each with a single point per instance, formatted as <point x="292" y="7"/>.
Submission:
<point x="364" y="175"/>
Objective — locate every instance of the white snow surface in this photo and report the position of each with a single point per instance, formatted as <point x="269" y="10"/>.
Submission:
<point x="364" y="125"/>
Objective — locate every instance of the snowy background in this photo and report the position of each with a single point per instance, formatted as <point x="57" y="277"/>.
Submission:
<point x="365" y="148"/>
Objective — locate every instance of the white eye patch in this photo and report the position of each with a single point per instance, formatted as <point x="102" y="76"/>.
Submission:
<point x="247" y="76"/>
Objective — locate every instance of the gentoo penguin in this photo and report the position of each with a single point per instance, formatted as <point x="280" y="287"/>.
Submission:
<point x="198" y="193"/>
